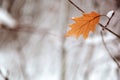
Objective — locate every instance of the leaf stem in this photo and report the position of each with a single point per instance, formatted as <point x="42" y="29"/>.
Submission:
<point x="104" y="27"/>
<point x="105" y="16"/>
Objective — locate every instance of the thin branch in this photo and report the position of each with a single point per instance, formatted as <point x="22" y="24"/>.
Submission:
<point x="104" y="27"/>
<point x="109" y="30"/>
<point x="110" y="19"/>
<point x="114" y="59"/>
<point x="76" y="6"/>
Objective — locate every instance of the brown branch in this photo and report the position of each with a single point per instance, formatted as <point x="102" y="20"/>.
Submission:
<point x="98" y="23"/>
<point x="110" y="19"/>
<point x="103" y="27"/>
<point x="109" y="30"/>
<point x="76" y="6"/>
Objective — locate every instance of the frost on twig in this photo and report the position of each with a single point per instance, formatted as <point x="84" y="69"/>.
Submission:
<point x="110" y="13"/>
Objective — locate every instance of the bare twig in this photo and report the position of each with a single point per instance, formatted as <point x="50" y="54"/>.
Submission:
<point x="103" y="27"/>
<point x="99" y="23"/>
<point x="110" y="19"/>
<point x="107" y="49"/>
<point x="109" y="30"/>
<point x="114" y="59"/>
<point x="76" y="6"/>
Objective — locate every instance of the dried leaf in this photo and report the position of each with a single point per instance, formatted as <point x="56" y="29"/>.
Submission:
<point x="83" y="25"/>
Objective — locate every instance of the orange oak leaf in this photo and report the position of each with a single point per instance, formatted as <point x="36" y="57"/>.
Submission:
<point x="83" y="25"/>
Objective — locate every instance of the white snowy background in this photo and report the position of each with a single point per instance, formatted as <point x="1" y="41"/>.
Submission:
<point x="45" y="53"/>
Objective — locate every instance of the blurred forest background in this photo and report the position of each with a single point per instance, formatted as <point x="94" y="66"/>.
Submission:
<point x="33" y="46"/>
